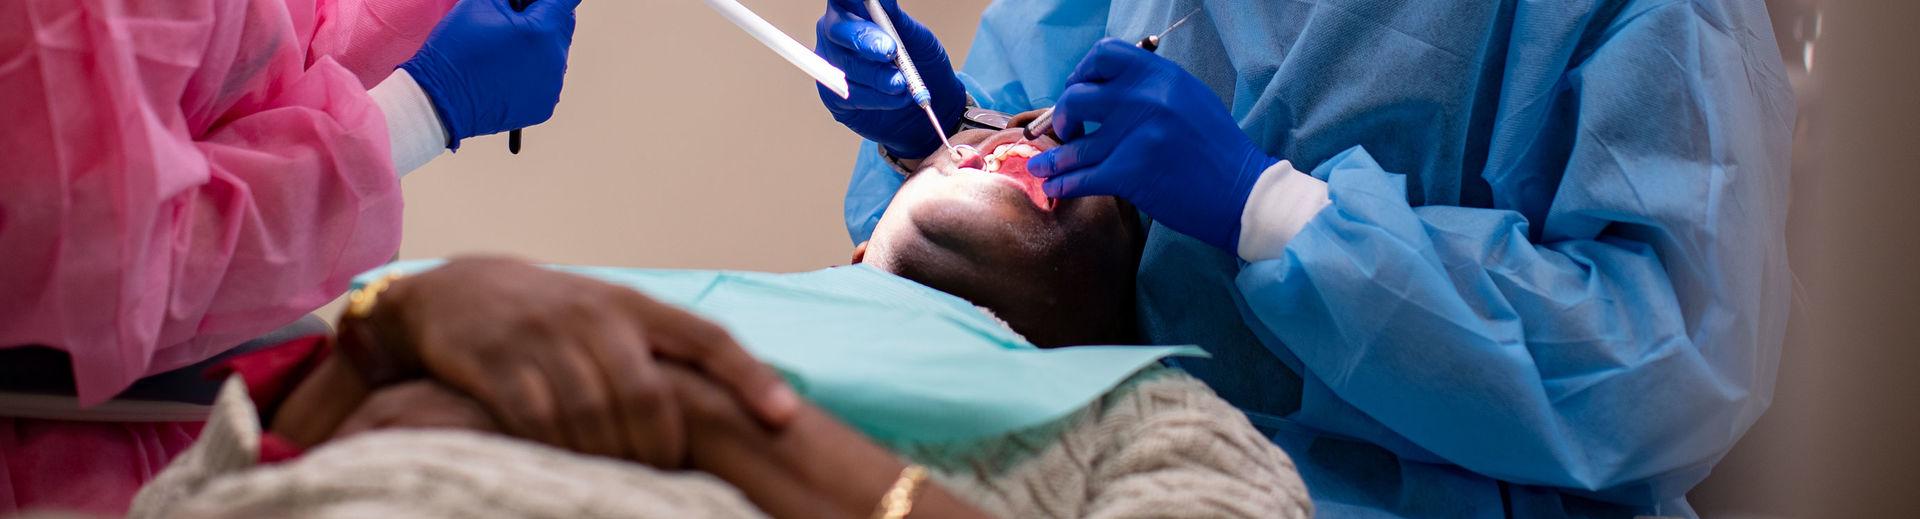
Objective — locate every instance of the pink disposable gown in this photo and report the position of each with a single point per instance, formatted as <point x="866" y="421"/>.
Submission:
<point x="177" y="177"/>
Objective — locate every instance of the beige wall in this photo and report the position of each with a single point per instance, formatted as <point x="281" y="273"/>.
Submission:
<point x="729" y="161"/>
<point x="678" y="142"/>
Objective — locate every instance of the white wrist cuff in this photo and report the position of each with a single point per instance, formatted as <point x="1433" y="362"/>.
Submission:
<point x="413" y="130"/>
<point x="1283" y="201"/>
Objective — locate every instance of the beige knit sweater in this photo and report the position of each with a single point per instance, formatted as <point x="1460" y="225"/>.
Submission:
<point x="1162" y="445"/>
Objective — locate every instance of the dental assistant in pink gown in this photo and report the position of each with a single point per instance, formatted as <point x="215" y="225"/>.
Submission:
<point x="179" y="176"/>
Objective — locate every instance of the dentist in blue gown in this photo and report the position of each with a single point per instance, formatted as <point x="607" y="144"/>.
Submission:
<point x="1480" y="259"/>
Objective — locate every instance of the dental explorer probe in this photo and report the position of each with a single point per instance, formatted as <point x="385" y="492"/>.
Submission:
<point x="915" y="86"/>
<point x="1043" y="125"/>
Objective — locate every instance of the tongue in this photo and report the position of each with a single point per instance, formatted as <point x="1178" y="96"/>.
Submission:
<point x="1015" y="167"/>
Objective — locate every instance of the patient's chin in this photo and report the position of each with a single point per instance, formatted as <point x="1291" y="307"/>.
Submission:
<point x="991" y="218"/>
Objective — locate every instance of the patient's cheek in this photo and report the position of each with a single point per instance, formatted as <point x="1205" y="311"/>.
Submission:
<point x="1011" y="160"/>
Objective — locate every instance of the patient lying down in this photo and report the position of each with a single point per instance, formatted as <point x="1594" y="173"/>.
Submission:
<point x="456" y="412"/>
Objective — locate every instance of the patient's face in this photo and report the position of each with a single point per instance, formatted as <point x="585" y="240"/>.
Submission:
<point x="980" y="229"/>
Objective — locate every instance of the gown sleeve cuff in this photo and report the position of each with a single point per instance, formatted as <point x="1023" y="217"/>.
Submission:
<point x="1283" y="201"/>
<point x="413" y="129"/>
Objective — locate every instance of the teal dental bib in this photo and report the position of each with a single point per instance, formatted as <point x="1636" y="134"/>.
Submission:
<point x="900" y="361"/>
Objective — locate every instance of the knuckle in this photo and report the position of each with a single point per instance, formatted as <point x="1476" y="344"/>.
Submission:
<point x="578" y="311"/>
<point x="708" y="404"/>
<point x="706" y="333"/>
<point x="492" y="355"/>
<point x="646" y="393"/>
<point x="533" y="328"/>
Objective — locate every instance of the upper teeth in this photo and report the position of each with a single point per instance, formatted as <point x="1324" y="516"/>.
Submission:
<point x="1001" y="153"/>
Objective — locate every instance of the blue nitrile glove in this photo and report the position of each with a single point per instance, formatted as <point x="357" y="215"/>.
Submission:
<point x="879" y="107"/>
<point x="490" y="69"/>
<point x="1165" y="143"/>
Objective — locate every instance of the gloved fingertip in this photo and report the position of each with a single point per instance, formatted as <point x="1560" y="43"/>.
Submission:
<point x="1054" y="188"/>
<point x="877" y="46"/>
<point x="896" y="83"/>
<point x="1041" y="165"/>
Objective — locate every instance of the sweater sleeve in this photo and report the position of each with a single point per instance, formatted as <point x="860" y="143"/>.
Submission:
<point x="1160" y="445"/>
<point x="416" y="473"/>
<point x="1174" y="449"/>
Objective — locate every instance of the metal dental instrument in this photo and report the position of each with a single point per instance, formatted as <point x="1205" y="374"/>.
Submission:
<point x="1043" y="125"/>
<point x="960" y="151"/>
<point x="799" y="55"/>
<point x="915" y="86"/>
<point x="513" y="137"/>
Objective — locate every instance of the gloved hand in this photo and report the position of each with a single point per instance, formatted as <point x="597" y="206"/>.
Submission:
<point x="1165" y="143"/>
<point x="490" y="69"/>
<point x="879" y="107"/>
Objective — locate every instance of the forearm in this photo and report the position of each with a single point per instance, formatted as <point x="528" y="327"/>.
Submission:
<point x="321" y="402"/>
<point x="414" y="133"/>
<point x="816" y="464"/>
<point x="1588" y="326"/>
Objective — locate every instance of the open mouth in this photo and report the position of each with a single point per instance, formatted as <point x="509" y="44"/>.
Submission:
<point x="1009" y="159"/>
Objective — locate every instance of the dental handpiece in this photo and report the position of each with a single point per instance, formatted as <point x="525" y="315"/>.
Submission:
<point x="916" y="87"/>
<point x="1043" y="125"/>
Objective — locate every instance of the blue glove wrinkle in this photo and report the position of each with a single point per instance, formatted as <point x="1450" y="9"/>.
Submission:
<point x="876" y="70"/>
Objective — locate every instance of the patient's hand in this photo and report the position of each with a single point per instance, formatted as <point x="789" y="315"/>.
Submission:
<point x="817" y="467"/>
<point x="418" y="404"/>
<point x="567" y="360"/>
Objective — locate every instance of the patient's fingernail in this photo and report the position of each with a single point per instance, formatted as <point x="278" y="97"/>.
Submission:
<point x="781" y="403"/>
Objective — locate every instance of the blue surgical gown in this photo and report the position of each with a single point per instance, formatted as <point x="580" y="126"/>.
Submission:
<point x="1552" y="280"/>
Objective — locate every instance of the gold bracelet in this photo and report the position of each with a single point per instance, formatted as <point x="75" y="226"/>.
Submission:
<point x="898" y="501"/>
<point x="360" y="301"/>
<point x="371" y="343"/>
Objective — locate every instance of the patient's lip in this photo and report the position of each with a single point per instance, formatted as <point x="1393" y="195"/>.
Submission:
<point x="1013" y="165"/>
<point x="1010" y="161"/>
<point x="975" y="160"/>
<point x="1009" y="137"/>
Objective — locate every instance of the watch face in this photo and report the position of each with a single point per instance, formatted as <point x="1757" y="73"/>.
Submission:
<point x="986" y="119"/>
